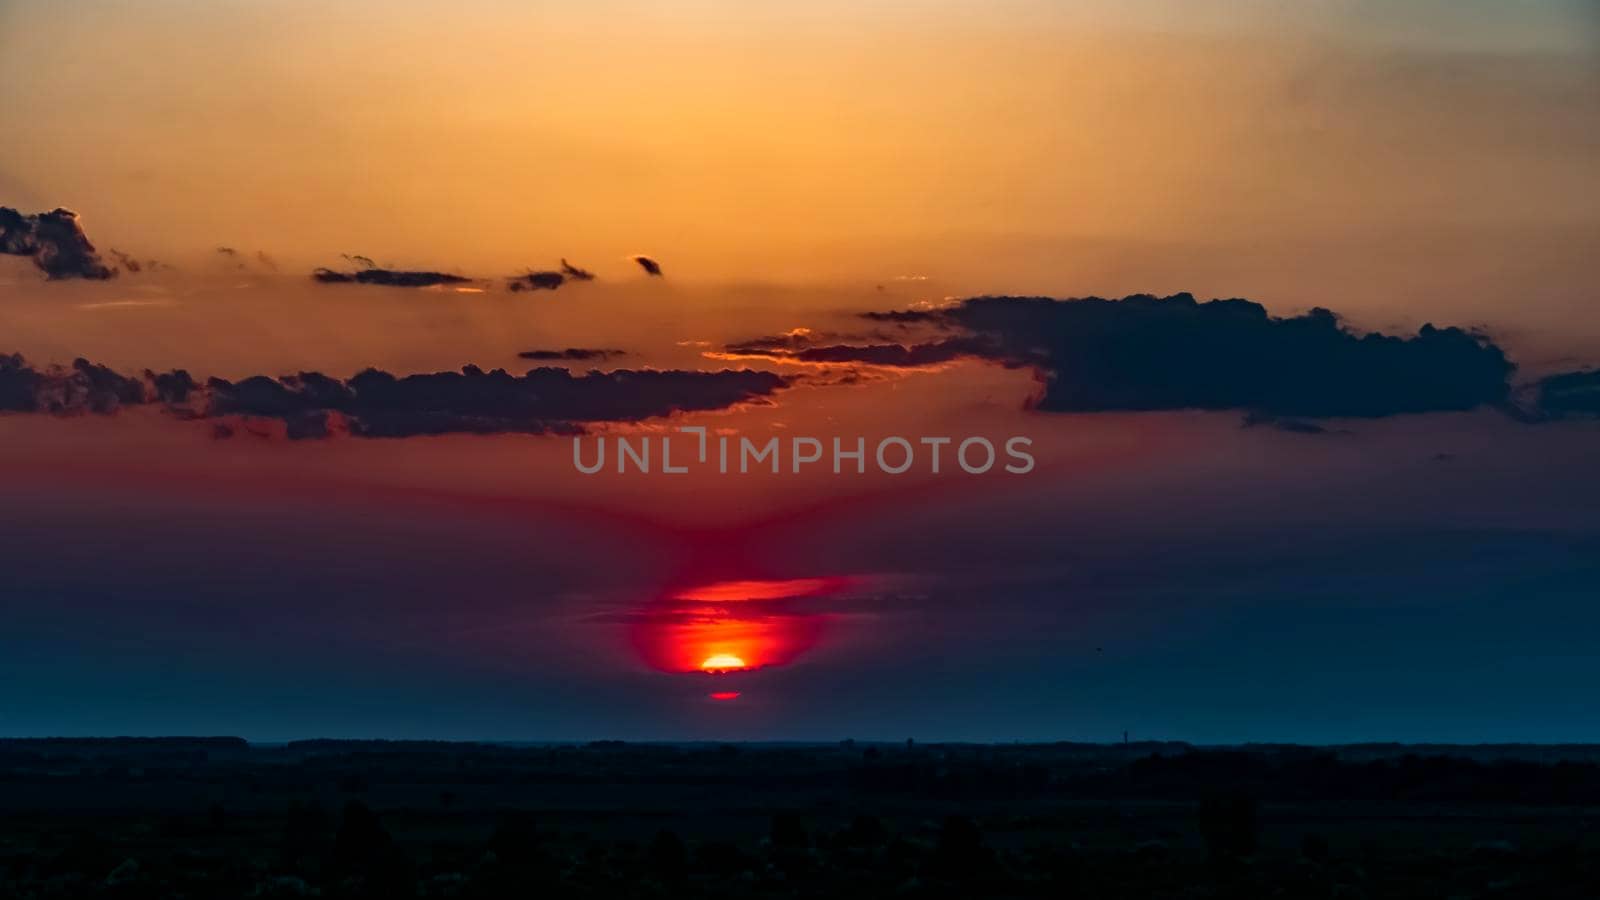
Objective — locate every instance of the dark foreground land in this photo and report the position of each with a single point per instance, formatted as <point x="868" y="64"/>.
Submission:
<point x="214" y="818"/>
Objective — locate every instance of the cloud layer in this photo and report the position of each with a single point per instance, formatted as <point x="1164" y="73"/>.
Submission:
<point x="369" y="272"/>
<point x="388" y="277"/>
<point x="1569" y="394"/>
<point x="575" y="354"/>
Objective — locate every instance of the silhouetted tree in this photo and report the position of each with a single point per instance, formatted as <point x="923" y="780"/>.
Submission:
<point x="362" y="839"/>
<point x="722" y="858"/>
<point x="1228" y="824"/>
<point x="306" y="835"/>
<point x="667" y="858"/>
<point x="515" y="862"/>
<point x="516" y="837"/>
<point x="364" y="848"/>
<point x="1314" y="847"/>
<point x="961" y="855"/>
<point x="865" y="831"/>
<point x="789" y="832"/>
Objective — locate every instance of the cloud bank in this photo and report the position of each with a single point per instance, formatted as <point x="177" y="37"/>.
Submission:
<point x="83" y="387"/>
<point x="375" y="403"/>
<point x="1144" y="353"/>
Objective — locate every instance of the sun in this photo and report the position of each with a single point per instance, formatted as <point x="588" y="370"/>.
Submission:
<point x="722" y="662"/>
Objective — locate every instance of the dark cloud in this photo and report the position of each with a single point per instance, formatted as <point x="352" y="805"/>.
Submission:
<point x="55" y="241"/>
<point x="536" y="281"/>
<point x="18" y="385"/>
<point x="1160" y="353"/>
<point x="578" y="354"/>
<point x="896" y="354"/>
<point x="803" y="345"/>
<point x="472" y="401"/>
<point x="368" y="272"/>
<point x="241" y="261"/>
<point x="379" y="404"/>
<point x="1568" y="394"/>
<point x="1293" y="426"/>
<point x="903" y="316"/>
<point x="133" y="266"/>
<point x="80" y="388"/>
<point x="388" y="277"/>
<point x="775" y="345"/>
<point x="842" y="376"/>
<point x="548" y="280"/>
<point x="650" y="266"/>
<point x="574" y="272"/>
<point x="173" y="388"/>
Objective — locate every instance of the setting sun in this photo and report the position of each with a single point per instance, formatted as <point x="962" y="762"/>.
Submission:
<point x="731" y="626"/>
<point x="835" y="448"/>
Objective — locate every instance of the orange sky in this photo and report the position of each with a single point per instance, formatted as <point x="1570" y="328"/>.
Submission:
<point x="789" y="164"/>
<point x="1404" y="160"/>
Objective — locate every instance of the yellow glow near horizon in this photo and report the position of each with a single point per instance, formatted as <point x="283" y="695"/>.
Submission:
<point x="722" y="662"/>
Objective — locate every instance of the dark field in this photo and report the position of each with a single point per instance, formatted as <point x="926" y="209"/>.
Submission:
<point x="220" y="818"/>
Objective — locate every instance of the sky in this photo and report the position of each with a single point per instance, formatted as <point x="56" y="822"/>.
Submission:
<point x="392" y="249"/>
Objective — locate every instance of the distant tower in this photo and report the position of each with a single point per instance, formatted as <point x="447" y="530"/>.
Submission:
<point x="1124" y="737"/>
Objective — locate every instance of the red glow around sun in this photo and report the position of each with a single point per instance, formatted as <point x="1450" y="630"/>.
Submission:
<point x="730" y="626"/>
<point x="735" y="591"/>
<point x="724" y="695"/>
